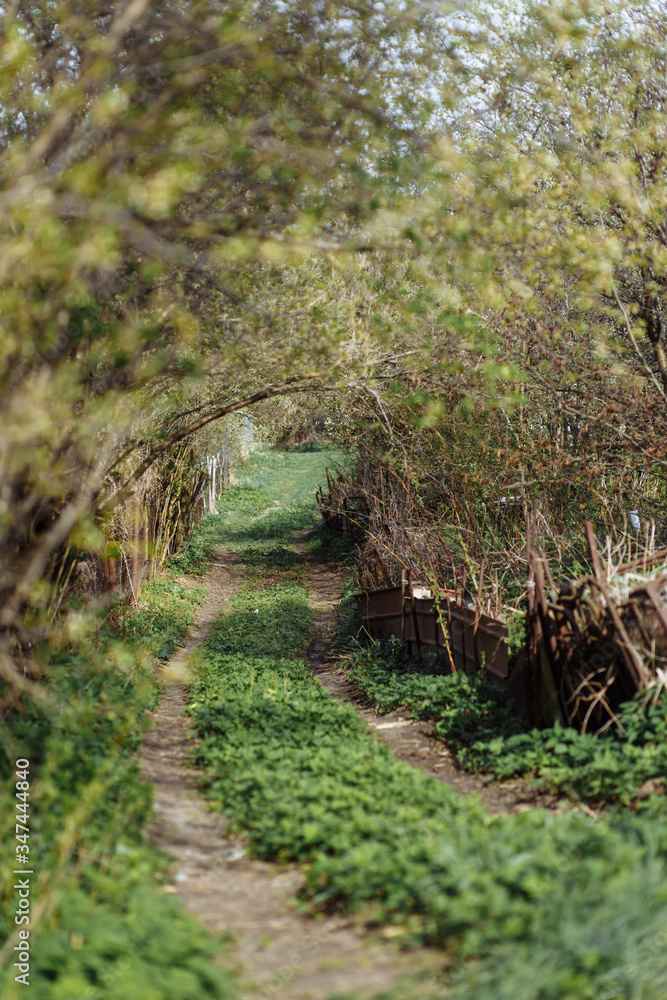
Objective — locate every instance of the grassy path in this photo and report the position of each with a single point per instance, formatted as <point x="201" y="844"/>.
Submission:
<point x="408" y="737"/>
<point x="532" y="906"/>
<point x="102" y="926"/>
<point x="282" y="954"/>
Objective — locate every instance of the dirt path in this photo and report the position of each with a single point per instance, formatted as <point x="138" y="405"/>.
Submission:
<point x="408" y="738"/>
<point x="282" y="955"/>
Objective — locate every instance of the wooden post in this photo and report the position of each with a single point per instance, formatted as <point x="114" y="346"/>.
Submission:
<point x="136" y="567"/>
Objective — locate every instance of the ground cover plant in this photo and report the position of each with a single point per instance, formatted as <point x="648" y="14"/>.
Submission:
<point x="617" y="766"/>
<point x="195" y="555"/>
<point x="101" y="924"/>
<point x="162" y="615"/>
<point x="278" y="485"/>
<point x="439" y="233"/>
<point x="297" y="772"/>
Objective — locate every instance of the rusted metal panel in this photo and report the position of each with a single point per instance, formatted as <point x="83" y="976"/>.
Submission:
<point x="474" y="639"/>
<point x="427" y="619"/>
<point x="382" y="611"/>
<point x="492" y="645"/>
<point x="381" y="602"/>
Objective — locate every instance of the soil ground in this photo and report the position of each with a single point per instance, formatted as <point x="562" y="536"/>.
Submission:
<point x="409" y="738"/>
<point x="284" y="955"/>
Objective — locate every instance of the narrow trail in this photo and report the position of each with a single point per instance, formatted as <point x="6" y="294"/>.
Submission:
<point x="282" y="955"/>
<point x="408" y="738"/>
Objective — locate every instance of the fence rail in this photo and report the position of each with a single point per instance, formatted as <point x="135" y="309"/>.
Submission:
<point x="460" y="637"/>
<point x="591" y="644"/>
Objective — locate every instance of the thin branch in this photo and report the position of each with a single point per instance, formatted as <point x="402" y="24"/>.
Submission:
<point x="631" y="335"/>
<point x="295" y="384"/>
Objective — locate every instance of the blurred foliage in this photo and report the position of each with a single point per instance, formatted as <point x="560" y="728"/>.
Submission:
<point x="169" y="179"/>
<point x="111" y="952"/>
<point x="100" y="921"/>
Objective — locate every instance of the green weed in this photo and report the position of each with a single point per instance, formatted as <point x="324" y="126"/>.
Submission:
<point x="262" y="622"/>
<point x="491" y="737"/>
<point x="299" y="774"/>
<point x="163" y="616"/>
<point x="331" y="548"/>
<point x="147" y="949"/>
<point x="544" y="899"/>
<point x="108" y="931"/>
<point x="195" y="556"/>
<point x="276" y="557"/>
<point x="243" y="500"/>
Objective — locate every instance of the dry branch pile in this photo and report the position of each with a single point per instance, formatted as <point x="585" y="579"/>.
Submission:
<point x="592" y="644"/>
<point x="401" y="538"/>
<point x="596" y="642"/>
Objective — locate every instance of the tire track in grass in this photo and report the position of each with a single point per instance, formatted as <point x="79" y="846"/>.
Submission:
<point x="283" y="954"/>
<point x="298" y="773"/>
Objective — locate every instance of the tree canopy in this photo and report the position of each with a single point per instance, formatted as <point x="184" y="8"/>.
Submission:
<point x="453" y="220"/>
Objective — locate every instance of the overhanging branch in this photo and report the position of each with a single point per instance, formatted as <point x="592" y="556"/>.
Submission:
<point x="299" y="383"/>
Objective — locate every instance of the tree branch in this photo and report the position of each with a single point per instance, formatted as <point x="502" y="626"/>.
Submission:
<point x="295" y="384"/>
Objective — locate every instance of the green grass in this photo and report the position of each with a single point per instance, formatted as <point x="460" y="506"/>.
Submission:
<point x="286" y="481"/>
<point x="163" y="615"/>
<point x="292" y="477"/>
<point x="491" y="737"/>
<point x="536" y="906"/>
<point x="146" y="948"/>
<point x="195" y="557"/>
<point x="108" y="930"/>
